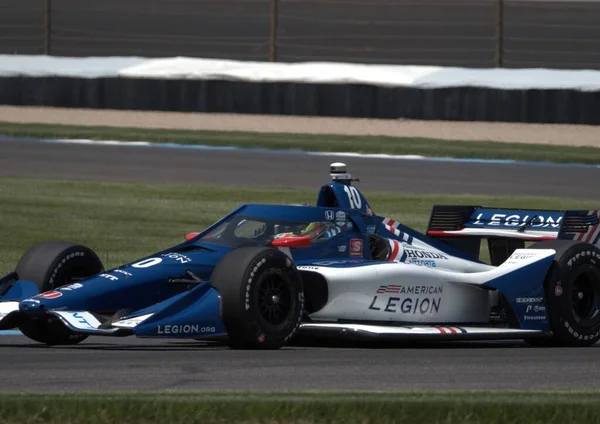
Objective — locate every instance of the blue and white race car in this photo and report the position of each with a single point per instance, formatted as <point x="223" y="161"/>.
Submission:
<point x="264" y="273"/>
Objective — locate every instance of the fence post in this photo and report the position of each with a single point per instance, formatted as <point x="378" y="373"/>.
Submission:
<point x="274" y="29"/>
<point x="48" y="28"/>
<point x="499" y="33"/>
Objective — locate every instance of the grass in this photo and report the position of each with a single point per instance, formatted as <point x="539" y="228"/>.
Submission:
<point x="125" y="221"/>
<point x="349" y="408"/>
<point x="328" y="143"/>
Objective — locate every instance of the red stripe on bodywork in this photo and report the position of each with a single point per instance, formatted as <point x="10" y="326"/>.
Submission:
<point x="443" y="233"/>
<point x="592" y="230"/>
<point x="394" y="251"/>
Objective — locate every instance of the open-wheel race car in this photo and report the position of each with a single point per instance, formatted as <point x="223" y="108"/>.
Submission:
<point x="264" y="273"/>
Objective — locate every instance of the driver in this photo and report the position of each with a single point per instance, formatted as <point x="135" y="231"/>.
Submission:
<point x="314" y="230"/>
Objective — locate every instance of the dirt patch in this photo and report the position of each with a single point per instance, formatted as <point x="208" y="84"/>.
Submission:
<point x="574" y="135"/>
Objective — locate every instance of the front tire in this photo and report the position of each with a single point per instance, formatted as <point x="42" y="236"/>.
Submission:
<point x="261" y="295"/>
<point x="572" y="290"/>
<point x="51" y="265"/>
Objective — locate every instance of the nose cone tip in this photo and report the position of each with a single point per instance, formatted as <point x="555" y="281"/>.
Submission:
<point x="31" y="305"/>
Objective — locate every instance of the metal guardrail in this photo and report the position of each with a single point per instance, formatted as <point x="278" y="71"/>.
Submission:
<point x="473" y="33"/>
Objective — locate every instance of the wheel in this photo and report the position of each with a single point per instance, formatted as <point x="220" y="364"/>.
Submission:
<point x="262" y="297"/>
<point x="572" y="289"/>
<point x="51" y="265"/>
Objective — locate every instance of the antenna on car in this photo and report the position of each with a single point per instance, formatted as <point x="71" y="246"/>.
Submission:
<point x="339" y="174"/>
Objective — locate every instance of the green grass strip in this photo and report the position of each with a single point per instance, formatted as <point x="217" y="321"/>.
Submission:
<point x="326" y="143"/>
<point x="125" y="221"/>
<point x="349" y="408"/>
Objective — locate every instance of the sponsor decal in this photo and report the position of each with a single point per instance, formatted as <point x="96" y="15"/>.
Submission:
<point x="356" y="247"/>
<point x="423" y="262"/>
<point x="396" y="288"/>
<point x="132" y="322"/>
<point x="529" y="299"/>
<point x="178" y="257"/>
<point x="426" y="305"/>
<point x="408" y="306"/>
<point x="534" y="317"/>
<point x="109" y="277"/>
<point x="125" y="273"/>
<point x="522" y="256"/>
<point x="423" y="254"/>
<point x="535" y="220"/>
<point x="533" y="311"/>
<point x="71" y="287"/>
<point x="329" y="215"/>
<point x="536" y="308"/>
<point x="81" y="319"/>
<point x="340" y="218"/>
<point x="52" y="294"/>
<point x="184" y="329"/>
<point x="515" y="258"/>
<point x="342" y="248"/>
<point x="371" y="229"/>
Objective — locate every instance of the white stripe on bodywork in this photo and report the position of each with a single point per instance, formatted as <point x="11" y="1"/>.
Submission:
<point x="416" y="330"/>
<point x="8" y="307"/>
<point x="79" y="319"/>
<point x="131" y="322"/>
<point x="503" y="233"/>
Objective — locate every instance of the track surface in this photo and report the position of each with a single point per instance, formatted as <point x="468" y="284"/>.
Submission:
<point x="152" y="164"/>
<point x="135" y="364"/>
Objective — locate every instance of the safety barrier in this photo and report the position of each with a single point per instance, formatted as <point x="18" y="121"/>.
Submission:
<point x="316" y="89"/>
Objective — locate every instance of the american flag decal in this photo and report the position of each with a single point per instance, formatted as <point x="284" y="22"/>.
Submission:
<point x="390" y="288"/>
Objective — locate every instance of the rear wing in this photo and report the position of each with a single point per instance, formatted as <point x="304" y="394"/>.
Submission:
<point x="509" y="229"/>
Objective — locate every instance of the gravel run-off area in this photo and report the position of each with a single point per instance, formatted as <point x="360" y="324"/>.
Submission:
<point x="575" y="135"/>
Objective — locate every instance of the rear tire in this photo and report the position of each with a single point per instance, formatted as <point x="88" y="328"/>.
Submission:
<point x="51" y="265"/>
<point x="261" y="295"/>
<point x="572" y="290"/>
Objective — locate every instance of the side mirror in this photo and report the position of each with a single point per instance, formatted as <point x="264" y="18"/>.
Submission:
<point x="303" y="241"/>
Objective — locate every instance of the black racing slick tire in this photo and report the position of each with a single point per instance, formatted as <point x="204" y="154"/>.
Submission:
<point x="262" y="297"/>
<point x="572" y="290"/>
<point x="50" y="265"/>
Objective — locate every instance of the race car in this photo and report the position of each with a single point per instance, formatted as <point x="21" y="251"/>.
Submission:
<point x="263" y="274"/>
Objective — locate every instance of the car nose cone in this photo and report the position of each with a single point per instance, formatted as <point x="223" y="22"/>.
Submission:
<point x="31" y="306"/>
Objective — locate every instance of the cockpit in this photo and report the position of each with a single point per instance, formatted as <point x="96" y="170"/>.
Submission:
<point x="241" y="231"/>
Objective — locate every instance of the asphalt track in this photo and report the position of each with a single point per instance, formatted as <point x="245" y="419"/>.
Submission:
<point x="100" y="364"/>
<point x="235" y="167"/>
<point x="137" y="364"/>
